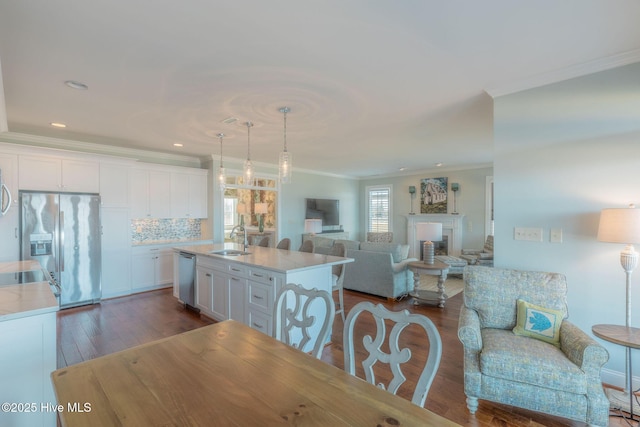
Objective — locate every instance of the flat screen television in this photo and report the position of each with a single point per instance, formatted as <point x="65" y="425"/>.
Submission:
<point x="328" y="210"/>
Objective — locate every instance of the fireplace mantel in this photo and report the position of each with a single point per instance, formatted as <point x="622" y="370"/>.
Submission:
<point x="451" y="225"/>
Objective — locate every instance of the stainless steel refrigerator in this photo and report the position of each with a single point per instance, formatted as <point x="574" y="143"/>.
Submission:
<point x="62" y="232"/>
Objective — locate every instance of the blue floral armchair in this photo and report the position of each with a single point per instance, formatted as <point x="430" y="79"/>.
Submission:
<point x="503" y="367"/>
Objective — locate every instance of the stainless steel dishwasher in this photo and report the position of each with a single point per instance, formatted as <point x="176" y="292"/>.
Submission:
<point x="187" y="280"/>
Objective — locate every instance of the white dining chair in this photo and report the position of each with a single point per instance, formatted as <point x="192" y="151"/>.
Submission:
<point x="294" y="325"/>
<point x="396" y="356"/>
<point x="337" y="275"/>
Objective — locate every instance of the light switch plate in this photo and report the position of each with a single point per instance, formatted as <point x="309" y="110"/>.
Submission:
<point x="556" y="235"/>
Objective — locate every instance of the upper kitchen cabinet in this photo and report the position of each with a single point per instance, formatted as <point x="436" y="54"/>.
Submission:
<point x="9" y="175"/>
<point x="46" y="173"/>
<point x="114" y="185"/>
<point x="9" y="243"/>
<point x="189" y="194"/>
<point x="150" y="193"/>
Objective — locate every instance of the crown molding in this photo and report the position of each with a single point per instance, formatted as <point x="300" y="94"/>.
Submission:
<point x="100" y="149"/>
<point x="578" y="70"/>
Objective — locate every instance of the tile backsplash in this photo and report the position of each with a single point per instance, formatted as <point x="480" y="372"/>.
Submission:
<point x="164" y="229"/>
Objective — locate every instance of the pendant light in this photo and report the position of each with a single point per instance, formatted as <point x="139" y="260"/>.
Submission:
<point x="222" y="177"/>
<point x="284" y="162"/>
<point x="248" y="166"/>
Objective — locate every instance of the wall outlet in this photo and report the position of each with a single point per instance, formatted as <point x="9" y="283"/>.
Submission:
<point x="529" y="234"/>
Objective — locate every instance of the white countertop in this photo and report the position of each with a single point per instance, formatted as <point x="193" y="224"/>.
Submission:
<point x="279" y="260"/>
<point x="30" y="299"/>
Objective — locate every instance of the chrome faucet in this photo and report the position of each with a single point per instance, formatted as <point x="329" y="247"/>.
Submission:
<point x="233" y="234"/>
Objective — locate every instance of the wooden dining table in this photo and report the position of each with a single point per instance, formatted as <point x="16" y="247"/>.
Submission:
<point x="225" y="374"/>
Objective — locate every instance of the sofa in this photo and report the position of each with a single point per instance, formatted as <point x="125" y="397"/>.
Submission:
<point x="379" y="268"/>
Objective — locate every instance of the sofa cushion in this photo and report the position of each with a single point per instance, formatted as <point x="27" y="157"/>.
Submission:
<point x="525" y="360"/>
<point x="351" y="245"/>
<point x="538" y="322"/>
<point x="392" y="248"/>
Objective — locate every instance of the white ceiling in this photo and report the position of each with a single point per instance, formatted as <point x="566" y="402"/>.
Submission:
<point x="373" y="86"/>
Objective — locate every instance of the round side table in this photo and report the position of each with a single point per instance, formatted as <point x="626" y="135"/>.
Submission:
<point x="438" y="268"/>
<point x="630" y="338"/>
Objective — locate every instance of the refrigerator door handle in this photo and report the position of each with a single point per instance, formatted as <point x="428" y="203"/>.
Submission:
<point x="61" y="251"/>
<point x="4" y="210"/>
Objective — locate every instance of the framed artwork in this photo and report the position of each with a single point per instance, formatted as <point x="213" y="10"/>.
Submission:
<point x="433" y="195"/>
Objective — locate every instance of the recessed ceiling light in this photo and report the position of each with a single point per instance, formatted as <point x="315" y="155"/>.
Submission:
<point x="402" y="168"/>
<point x="58" y="125"/>
<point x="438" y="164"/>
<point x="76" y="85"/>
<point x="177" y="144"/>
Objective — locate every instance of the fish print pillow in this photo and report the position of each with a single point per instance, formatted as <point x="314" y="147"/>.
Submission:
<point x="538" y="322"/>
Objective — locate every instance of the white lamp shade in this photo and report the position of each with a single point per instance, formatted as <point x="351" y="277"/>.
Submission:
<point x="619" y="225"/>
<point x="429" y="231"/>
<point x="313" y="226"/>
<point x="261" y="208"/>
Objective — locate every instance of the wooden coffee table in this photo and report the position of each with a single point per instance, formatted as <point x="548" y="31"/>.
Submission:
<point x="438" y="268"/>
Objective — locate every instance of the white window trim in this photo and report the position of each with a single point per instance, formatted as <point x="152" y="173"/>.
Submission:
<point x="368" y="189"/>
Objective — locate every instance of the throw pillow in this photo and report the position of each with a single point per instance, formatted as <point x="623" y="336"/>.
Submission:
<point x="538" y="322"/>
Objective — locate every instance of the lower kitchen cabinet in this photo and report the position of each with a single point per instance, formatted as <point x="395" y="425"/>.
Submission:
<point x="246" y="292"/>
<point x="27" y="359"/>
<point x="151" y="268"/>
<point x="204" y="289"/>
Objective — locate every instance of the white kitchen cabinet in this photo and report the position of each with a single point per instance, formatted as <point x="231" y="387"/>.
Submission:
<point x="189" y="194"/>
<point x="150" y="193"/>
<point x="151" y="268"/>
<point x="10" y="240"/>
<point x="204" y="288"/>
<point x="116" y="252"/>
<point x="212" y="289"/>
<point x="220" y="296"/>
<point x="27" y="359"/>
<point x="114" y="185"/>
<point x="46" y="173"/>
<point x="237" y="299"/>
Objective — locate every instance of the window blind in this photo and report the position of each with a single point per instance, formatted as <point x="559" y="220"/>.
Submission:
<point x="379" y="216"/>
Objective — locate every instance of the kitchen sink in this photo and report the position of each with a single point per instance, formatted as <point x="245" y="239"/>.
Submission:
<point x="229" y="252"/>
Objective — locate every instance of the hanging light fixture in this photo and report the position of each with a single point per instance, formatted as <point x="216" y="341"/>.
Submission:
<point x="248" y="166"/>
<point x="222" y="177"/>
<point x="284" y="162"/>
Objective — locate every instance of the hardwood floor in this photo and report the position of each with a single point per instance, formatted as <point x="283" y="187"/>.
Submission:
<point x="117" y="324"/>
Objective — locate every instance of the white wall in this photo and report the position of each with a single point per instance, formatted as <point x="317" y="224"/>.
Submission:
<point x="586" y="134"/>
<point x="470" y="202"/>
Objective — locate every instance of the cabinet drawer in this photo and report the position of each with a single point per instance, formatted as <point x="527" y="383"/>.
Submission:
<point x="238" y="270"/>
<point x="208" y="262"/>
<point x="260" y="321"/>
<point x="262" y="276"/>
<point x="260" y="296"/>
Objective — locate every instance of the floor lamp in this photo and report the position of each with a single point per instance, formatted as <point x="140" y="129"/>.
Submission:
<point x="622" y="225"/>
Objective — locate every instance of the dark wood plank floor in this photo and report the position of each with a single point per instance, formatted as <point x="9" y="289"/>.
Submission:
<point x="117" y="324"/>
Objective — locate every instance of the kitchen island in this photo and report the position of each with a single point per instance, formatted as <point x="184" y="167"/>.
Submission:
<point x="28" y="342"/>
<point x="243" y="287"/>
